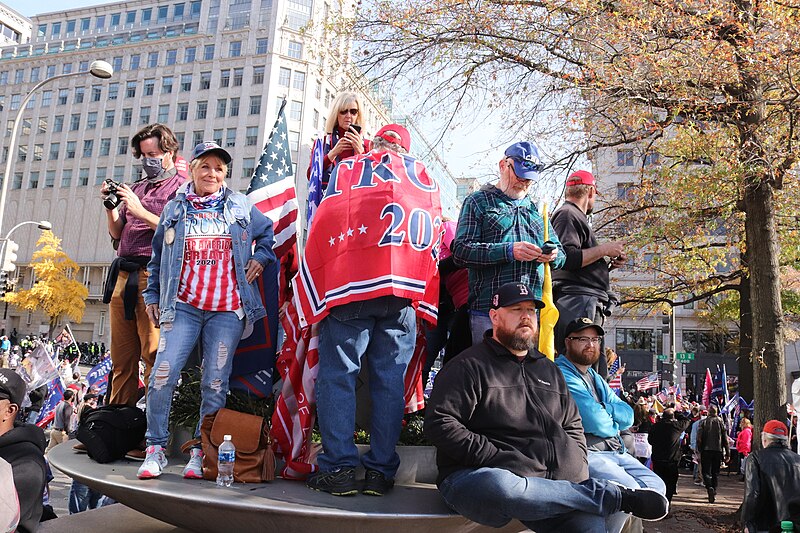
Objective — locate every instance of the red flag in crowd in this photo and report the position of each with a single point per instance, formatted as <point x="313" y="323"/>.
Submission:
<point x="707" y="388"/>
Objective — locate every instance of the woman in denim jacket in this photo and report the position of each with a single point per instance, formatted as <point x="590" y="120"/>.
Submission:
<point x="201" y="286"/>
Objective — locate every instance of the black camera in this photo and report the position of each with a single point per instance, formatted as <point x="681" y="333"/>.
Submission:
<point x="111" y="200"/>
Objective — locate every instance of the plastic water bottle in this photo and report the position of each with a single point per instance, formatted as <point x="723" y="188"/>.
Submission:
<point x="226" y="459"/>
<point x="787" y="525"/>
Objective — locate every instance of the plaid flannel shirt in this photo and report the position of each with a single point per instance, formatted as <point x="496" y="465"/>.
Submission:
<point x="489" y="223"/>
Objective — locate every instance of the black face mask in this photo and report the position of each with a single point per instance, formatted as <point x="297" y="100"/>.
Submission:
<point x="153" y="167"/>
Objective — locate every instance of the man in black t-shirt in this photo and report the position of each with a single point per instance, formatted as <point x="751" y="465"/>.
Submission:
<point x="581" y="286"/>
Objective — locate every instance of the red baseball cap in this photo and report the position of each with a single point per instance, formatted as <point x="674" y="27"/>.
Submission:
<point x="777" y="428"/>
<point x="581" y="177"/>
<point x="395" y="133"/>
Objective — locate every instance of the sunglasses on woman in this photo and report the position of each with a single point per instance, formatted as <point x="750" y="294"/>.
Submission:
<point x="352" y="111"/>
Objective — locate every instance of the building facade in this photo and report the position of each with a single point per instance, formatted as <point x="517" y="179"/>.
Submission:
<point x="209" y="69"/>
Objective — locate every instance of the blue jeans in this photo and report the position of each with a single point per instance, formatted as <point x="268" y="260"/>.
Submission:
<point x="626" y="470"/>
<point x="82" y="498"/>
<point x="494" y="496"/>
<point x="479" y="323"/>
<point x="219" y="332"/>
<point x="384" y="330"/>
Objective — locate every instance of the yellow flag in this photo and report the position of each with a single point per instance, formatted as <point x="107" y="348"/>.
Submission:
<point x="658" y="406"/>
<point x="548" y="316"/>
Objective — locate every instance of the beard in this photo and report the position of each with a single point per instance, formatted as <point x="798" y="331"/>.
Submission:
<point x="516" y="339"/>
<point x="587" y="356"/>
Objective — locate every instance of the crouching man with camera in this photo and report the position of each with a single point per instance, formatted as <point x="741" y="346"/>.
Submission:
<point x="132" y="215"/>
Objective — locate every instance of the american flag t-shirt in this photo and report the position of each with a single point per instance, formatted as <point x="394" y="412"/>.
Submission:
<point x="208" y="278"/>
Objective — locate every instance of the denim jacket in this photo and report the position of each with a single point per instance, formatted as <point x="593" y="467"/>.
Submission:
<point x="246" y="223"/>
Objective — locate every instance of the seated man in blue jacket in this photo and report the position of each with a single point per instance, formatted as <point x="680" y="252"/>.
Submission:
<point x="603" y="415"/>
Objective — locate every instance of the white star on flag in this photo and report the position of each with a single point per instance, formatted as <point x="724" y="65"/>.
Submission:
<point x="349" y="232"/>
<point x="362" y="229"/>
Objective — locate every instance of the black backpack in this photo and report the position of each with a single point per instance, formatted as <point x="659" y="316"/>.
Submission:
<point x="111" y="431"/>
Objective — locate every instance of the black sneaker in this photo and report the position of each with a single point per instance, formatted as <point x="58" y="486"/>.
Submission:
<point x="647" y="504"/>
<point x="376" y="484"/>
<point x="712" y="494"/>
<point x="339" y="482"/>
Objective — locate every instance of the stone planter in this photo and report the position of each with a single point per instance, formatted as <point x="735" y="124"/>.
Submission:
<point x="417" y="464"/>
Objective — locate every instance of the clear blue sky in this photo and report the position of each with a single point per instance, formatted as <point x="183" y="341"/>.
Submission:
<point x="34" y="7"/>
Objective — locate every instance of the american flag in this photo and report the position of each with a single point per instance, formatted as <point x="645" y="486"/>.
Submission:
<point x="272" y="186"/>
<point x="647" y="382"/>
<point x="615" y="375"/>
<point x="315" y="192"/>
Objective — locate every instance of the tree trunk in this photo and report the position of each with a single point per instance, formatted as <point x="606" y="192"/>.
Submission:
<point x="769" y="380"/>
<point x="745" y="337"/>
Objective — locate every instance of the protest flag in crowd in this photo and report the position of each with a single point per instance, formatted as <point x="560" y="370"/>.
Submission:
<point x="548" y="315"/>
<point x="315" y="192"/>
<point x="272" y="192"/>
<point x="615" y="372"/>
<point x="97" y="377"/>
<point x="648" y="382"/>
<point x="719" y="387"/>
<point x="707" y="389"/>
<point x="55" y="394"/>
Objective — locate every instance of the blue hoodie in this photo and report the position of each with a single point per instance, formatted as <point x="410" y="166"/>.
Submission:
<point x="605" y="418"/>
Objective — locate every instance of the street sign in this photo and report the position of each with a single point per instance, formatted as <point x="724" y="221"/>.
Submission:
<point x="662" y="357"/>
<point x="685" y="356"/>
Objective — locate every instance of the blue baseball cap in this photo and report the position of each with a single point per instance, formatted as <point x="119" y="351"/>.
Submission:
<point x="208" y="146"/>
<point x="526" y="159"/>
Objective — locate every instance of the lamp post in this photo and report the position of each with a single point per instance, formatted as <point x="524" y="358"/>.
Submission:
<point x="42" y="225"/>
<point x="100" y="69"/>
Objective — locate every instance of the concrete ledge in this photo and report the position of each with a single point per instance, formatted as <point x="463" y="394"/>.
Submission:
<point x="124" y="520"/>
<point x="286" y="506"/>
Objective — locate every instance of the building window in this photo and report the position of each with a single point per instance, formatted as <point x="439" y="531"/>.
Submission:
<point x="202" y="109"/>
<point x="296" y="110"/>
<point x="74" y="122"/>
<point x="258" y="75"/>
<point x="162" y="14"/>
<point x="149" y="87"/>
<point x="130" y="89"/>
<point x="136" y="60"/>
<point x="705" y="341"/>
<point x="108" y="121"/>
<point x="147" y="15"/>
<point x="624" y="190"/>
<point x="195" y="9"/>
<point x="172" y="57"/>
<point x="88" y="147"/>
<point x="71" y="147"/>
<point x="284" y="76"/>
<point x="186" y="82"/>
<point x="299" y="81"/>
<point x="639" y="339"/>
<point x="652" y="158"/>
<point x="222" y="107"/>
<point x="166" y="86"/>
<point x="163" y="113"/>
<point x="294" y="140"/>
<point x="38" y="152"/>
<point x="35" y="74"/>
<point x="230" y="139"/>
<point x="17" y="183"/>
<point x="234" y="107"/>
<point x="217" y="137"/>
<point x="208" y="52"/>
<point x="248" y="167"/>
<point x="91" y="120"/>
<point x="197" y="137"/>
<point x="225" y="78"/>
<point x="238" y="74"/>
<point x="113" y="91"/>
<point x="183" y="112"/>
<point x="33" y="180"/>
<point x="177" y="12"/>
<point x="189" y="54"/>
<point x="295" y="50"/>
<point x="97" y="93"/>
<point x="251" y="136"/>
<point x="624" y="158"/>
<point x="100" y="22"/>
<point x="152" y="60"/>
<point x="66" y="177"/>
<point x="105" y="146"/>
<point x="122" y="146"/>
<point x="262" y="46"/>
<point x="130" y="17"/>
<point x="144" y="115"/>
<point x="54" y="149"/>
<point x="235" y="49"/>
<point x="116" y="63"/>
<point x="58" y="123"/>
<point x="255" y="105"/>
<point x="63" y="95"/>
<point x="127" y="117"/>
<point x="83" y="177"/>
<point x="47" y="98"/>
<point x="181" y="138"/>
<point x="100" y="175"/>
<point x="205" y="80"/>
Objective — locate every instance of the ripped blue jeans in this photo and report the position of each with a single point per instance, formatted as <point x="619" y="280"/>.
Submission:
<point x="219" y="333"/>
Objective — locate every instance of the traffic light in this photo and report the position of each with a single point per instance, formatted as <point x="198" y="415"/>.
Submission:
<point x="3" y="283"/>
<point x="10" y="256"/>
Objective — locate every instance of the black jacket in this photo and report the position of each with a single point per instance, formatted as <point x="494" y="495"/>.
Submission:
<point x="712" y="435"/>
<point x="23" y="448"/>
<point x="488" y="409"/>
<point x="573" y="230"/>
<point x="665" y="436"/>
<point x="772" y="480"/>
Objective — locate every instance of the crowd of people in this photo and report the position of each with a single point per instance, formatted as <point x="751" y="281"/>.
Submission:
<point x="518" y="435"/>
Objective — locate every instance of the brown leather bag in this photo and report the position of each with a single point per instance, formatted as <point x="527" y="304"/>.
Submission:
<point x="255" y="461"/>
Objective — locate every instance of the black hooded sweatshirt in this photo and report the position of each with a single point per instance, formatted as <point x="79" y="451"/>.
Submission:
<point x="23" y="448"/>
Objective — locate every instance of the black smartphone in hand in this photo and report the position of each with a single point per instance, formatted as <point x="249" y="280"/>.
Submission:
<point x="356" y="128"/>
<point x="548" y="247"/>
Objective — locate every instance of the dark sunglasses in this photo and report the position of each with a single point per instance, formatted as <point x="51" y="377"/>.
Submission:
<point x="352" y="111"/>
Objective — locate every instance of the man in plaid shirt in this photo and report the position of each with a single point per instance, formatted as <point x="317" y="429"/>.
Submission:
<point x="501" y="233"/>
